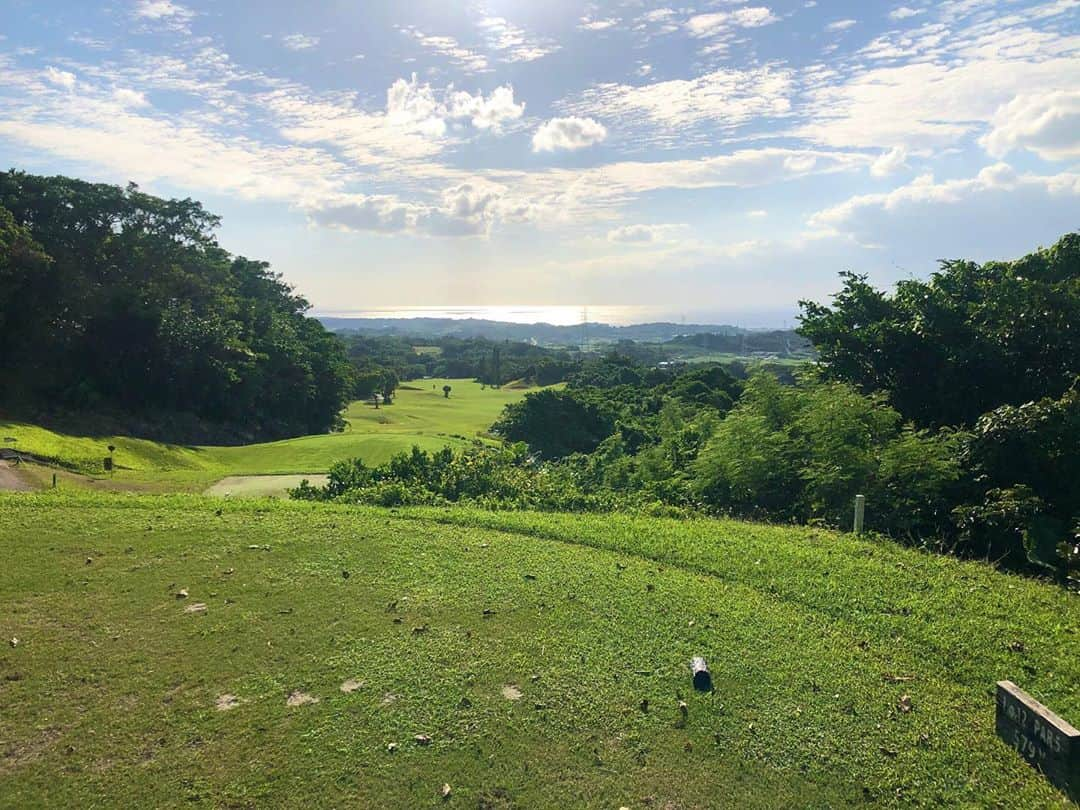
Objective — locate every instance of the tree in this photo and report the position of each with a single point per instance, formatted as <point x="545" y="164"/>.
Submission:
<point x="389" y="386"/>
<point x="446" y="391"/>
<point x="970" y="339"/>
<point x="25" y="291"/>
<point x="558" y="423"/>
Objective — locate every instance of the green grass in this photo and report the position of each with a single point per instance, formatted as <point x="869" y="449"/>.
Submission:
<point x="111" y="691"/>
<point x="420" y="415"/>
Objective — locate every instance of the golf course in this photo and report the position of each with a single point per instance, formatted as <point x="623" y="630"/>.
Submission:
<point x="446" y="569"/>
<point x="420" y="415"/>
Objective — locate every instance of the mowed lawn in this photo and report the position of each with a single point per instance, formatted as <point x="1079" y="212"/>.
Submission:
<point x="420" y="415"/>
<point x="524" y="660"/>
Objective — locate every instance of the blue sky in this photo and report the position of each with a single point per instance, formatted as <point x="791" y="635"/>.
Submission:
<point x="714" y="155"/>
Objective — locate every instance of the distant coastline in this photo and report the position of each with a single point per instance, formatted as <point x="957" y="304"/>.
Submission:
<point x="571" y="315"/>
<point x="578" y="334"/>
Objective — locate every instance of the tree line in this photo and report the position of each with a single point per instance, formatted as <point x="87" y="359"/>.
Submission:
<point x="113" y="301"/>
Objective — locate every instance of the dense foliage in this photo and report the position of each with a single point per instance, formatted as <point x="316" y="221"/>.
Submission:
<point x="972" y="338"/>
<point x="115" y="300"/>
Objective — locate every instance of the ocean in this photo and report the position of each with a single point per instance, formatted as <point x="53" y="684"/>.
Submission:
<point x="571" y="315"/>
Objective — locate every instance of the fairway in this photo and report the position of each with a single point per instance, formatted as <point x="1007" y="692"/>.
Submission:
<point x="525" y="660"/>
<point x="420" y="415"/>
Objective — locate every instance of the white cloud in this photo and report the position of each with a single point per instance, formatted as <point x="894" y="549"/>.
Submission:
<point x="299" y="42"/>
<point x="486" y="113"/>
<point x="905" y="12"/>
<point x="469" y="208"/>
<point x="601" y="191"/>
<point x="590" y="24"/>
<point x="841" y="25"/>
<point x="658" y="15"/>
<point x="645" y="234"/>
<point x="164" y="13"/>
<point x="160" y="10"/>
<point x="130" y="98"/>
<point x="568" y="133"/>
<point x="950" y="88"/>
<point x="757" y="213"/>
<point x="468" y="60"/>
<point x="993" y="213"/>
<point x="721" y="99"/>
<point x="644" y="69"/>
<point x="713" y="23"/>
<point x="889" y="162"/>
<point x="358" y="212"/>
<point x="417" y="106"/>
<point x="514" y="44"/>
<point x="61" y="78"/>
<point x="413" y="106"/>
<point x="1046" y="123"/>
<point x="127" y="146"/>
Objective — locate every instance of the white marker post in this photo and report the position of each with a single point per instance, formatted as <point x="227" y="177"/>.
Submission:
<point x="860" y="512"/>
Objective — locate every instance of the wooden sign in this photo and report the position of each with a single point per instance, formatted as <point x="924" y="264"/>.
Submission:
<point x="1039" y="736"/>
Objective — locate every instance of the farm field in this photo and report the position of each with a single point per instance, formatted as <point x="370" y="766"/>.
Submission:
<point x="338" y="656"/>
<point x="420" y="415"/>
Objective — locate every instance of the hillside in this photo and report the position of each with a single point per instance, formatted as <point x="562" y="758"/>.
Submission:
<point x="523" y="647"/>
<point x="420" y="415"/>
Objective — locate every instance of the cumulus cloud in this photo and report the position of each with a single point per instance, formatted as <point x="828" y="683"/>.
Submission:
<point x="469" y="208"/>
<point x="568" y="133"/>
<point x="1046" y="123"/>
<point x="358" y="212"/>
<point x="413" y="106"/>
<point x="644" y="234"/>
<point x="891" y="161"/>
<point x="418" y="107"/>
<point x="130" y="98"/>
<point x="486" y="113"/>
<point x="61" y="78"/>
<point x="299" y="42"/>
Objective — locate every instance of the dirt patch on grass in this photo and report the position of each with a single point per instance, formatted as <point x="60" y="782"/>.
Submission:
<point x="511" y="692"/>
<point x="225" y="703"/>
<point x="17" y="755"/>
<point x="351" y="685"/>
<point x="299" y="698"/>
<point x="11" y="480"/>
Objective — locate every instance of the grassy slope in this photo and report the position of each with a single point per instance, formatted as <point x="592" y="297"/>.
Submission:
<point x="117" y="688"/>
<point x="421" y="415"/>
